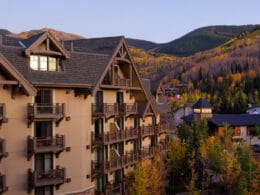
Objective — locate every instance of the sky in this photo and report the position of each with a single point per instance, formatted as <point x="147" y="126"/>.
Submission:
<point x="154" y="20"/>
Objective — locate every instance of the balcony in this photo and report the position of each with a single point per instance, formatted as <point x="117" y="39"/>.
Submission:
<point x="39" y="111"/>
<point x="148" y="130"/>
<point x="3" y="153"/>
<point x="130" y="109"/>
<point x="105" y="109"/>
<point x="42" y="145"/>
<point x="3" y="118"/>
<point x="3" y="187"/>
<point x="106" y="166"/>
<point x="113" y="188"/>
<point x="131" y="133"/>
<point x="147" y="152"/>
<point x="43" y="178"/>
<point x="163" y="127"/>
<point x="107" y="138"/>
<point x="122" y="82"/>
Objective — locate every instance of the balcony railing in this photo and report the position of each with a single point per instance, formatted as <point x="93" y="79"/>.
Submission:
<point x="163" y="127"/>
<point x="110" y="109"/>
<point x="43" y="178"/>
<point x="40" y="111"/>
<point x="3" y="187"/>
<point x="3" y="152"/>
<point x="122" y="82"/>
<point x="3" y="118"/>
<point x="106" y="166"/>
<point x="131" y="133"/>
<point x="130" y="109"/>
<point x="114" y="188"/>
<point x="147" y="152"/>
<point x="42" y="145"/>
<point x="148" y="130"/>
<point x="105" y="109"/>
<point x="107" y="138"/>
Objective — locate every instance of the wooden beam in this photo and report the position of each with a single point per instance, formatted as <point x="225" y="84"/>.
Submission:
<point x="8" y="82"/>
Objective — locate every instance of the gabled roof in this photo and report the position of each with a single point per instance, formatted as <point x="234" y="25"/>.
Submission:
<point x="160" y="107"/>
<point x="7" y="67"/>
<point x="34" y="41"/>
<point x="105" y="45"/>
<point x="202" y="103"/>
<point x="235" y="119"/>
<point x="155" y="86"/>
<point x="80" y="70"/>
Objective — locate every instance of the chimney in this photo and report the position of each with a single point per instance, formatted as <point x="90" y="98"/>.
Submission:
<point x="71" y="45"/>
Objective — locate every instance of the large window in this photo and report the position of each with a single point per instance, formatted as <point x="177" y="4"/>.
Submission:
<point x="44" y="63"/>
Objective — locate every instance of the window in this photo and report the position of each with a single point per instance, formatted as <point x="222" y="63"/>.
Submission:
<point x="44" y="63"/>
<point x="44" y="190"/>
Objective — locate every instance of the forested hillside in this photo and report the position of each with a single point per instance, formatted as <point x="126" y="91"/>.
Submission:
<point x="201" y="39"/>
<point x="229" y="73"/>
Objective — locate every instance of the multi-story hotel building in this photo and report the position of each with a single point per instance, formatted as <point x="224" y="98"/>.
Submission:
<point x="74" y="116"/>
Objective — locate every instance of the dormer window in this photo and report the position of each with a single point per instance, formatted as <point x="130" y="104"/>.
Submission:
<point x="44" y="63"/>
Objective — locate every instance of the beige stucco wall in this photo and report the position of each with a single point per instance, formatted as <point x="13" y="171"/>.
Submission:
<point x="15" y="133"/>
<point x="77" y="133"/>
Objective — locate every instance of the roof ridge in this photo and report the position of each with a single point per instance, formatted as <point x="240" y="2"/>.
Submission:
<point x="89" y="53"/>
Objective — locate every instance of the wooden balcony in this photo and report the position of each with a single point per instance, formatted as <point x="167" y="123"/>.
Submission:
<point x="122" y="82"/>
<point x="104" y="167"/>
<point x="131" y="133"/>
<point x="110" y="109"/>
<point x="148" y="130"/>
<point x="147" y="152"/>
<point x="3" y="153"/>
<point x="107" y="138"/>
<point x="113" y="188"/>
<point x="54" y="177"/>
<point x="163" y="127"/>
<point x="38" y="111"/>
<point x="163" y="146"/>
<point x="3" y="118"/>
<point x="130" y="109"/>
<point x="105" y="109"/>
<point x="3" y="187"/>
<point x="42" y="145"/>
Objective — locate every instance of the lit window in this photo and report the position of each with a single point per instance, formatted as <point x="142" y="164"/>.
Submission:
<point x="52" y="64"/>
<point x="44" y="63"/>
<point x="34" y="62"/>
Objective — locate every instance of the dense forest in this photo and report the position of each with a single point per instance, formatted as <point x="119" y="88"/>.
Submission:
<point x="229" y="75"/>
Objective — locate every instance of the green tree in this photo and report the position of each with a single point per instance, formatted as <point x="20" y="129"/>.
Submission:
<point x="140" y="185"/>
<point x="240" y="102"/>
<point x="244" y="157"/>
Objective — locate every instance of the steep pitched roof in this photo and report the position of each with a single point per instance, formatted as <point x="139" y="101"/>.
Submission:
<point x="105" y="45"/>
<point x="202" y="103"/>
<point x="235" y="119"/>
<point x="81" y="70"/>
<point x="34" y="41"/>
<point x="160" y="107"/>
<point x="7" y="67"/>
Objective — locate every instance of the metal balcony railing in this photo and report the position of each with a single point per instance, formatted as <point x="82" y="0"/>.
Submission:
<point x="42" y="145"/>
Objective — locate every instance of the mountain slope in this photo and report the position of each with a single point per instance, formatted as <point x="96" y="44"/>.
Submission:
<point x="141" y="44"/>
<point x="60" y="35"/>
<point x="201" y="39"/>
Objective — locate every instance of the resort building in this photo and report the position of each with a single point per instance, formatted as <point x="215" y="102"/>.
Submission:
<point x="75" y="116"/>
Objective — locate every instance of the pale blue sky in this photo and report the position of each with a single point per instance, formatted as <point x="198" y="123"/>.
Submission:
<point x="154" y="20"/>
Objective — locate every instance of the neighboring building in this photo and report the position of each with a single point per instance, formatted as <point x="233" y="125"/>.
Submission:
<point x="253" y="110"/>
<point x="241" y="124"/>
<point x="75" y="117"/>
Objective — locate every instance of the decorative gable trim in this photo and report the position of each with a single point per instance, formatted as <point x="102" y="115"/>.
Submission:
<point x="49" y="38"/>
<point x="17" y="79"/>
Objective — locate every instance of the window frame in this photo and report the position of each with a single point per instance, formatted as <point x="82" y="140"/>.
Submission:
<point x="39" y="65"/>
